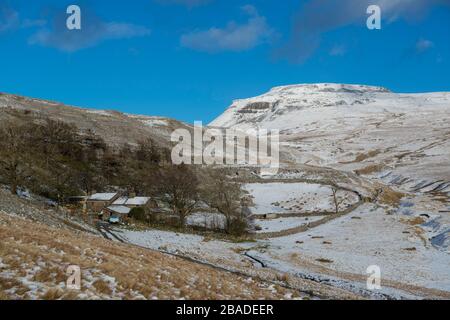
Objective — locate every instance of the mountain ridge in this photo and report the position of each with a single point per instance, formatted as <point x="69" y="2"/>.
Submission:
<point x="116" y="128"/>
<point x="355" y="128"/>
<point x="313" y="95"/>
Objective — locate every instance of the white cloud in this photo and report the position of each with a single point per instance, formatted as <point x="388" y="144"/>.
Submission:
<point x="28" y="23"/>
<point x="9" y="19"/>
<point x="250" y="10"/>
<point x="317" y="17"/>
<point x="93" y="31"/>
<point x="423" y="45"/>
<point x="338" y="50"/>
<point x="233" y="37"/>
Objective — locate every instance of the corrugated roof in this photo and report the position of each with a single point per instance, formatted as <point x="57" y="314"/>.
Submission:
<point x="120" y="201"/>
<point x="102" y="196"/>
<point x="136" y="201"/>
<point x="120" y="209"/>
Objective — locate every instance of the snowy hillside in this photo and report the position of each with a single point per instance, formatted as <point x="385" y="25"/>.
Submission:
<point x="399" y="141"/>
<point x="364" y="129"/>
<point x="276" y="109"/>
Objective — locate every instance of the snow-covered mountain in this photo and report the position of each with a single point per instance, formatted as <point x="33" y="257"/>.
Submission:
<point x="404" y="138"/>
<point x="276" y="108"/>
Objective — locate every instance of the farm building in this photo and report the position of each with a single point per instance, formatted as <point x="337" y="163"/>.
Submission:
<point x="116" y="206"/>
<point x="98" y="201"/>
<point x="133" y="202"/>
<point x="116" y="213"/>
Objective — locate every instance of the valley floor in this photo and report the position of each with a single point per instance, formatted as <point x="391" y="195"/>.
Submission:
<point x="336" y="252"/>
<point x="315" y="254"/>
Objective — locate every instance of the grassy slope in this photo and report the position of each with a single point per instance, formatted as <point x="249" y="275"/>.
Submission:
<point x="34" y="258"/>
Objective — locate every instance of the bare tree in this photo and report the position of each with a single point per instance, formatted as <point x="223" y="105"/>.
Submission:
<point x="336" y="199"/>
<point x="14" y="154"/>
<point x="56" y="139"/>
<point x="177" y="185"/>
<point x="147" y="151"/>
<point x="223" y="194"/>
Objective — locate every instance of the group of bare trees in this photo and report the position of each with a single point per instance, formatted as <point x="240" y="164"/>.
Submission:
<point x="14" y="154"/>
<point x="223" y="194"/>
<point x="56" y="160"/>
<point x="43" y="156"/>
<point x="178" y="186"/>
<point x="185" y="187"/>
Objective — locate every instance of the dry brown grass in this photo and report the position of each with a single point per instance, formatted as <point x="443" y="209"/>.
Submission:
<point x="420" y="233"/>
<point x="52" y="294"/>
<point x="136" y="271"/>
<point x="390" y="197"/>
<point x="363" y="156"/>
<point x="3" y="296"/>
<point x="102" y="287"/>
<point x="6" y="284"/>
<point x="370" y="169"/>
<point x="284" y="277"/>
<point x="415" y="221"/>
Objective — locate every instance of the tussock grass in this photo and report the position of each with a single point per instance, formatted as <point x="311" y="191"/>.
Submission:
<point x="415" y="221"/>
<point x="52" y="294"/>
<point x="102" y="287"/>
<point x="323" y="260"/>
<point x="42" y="254"/>
<point x="390" y="197"/>
<point x="370" y="169"/>
<point x="364" y="156"/>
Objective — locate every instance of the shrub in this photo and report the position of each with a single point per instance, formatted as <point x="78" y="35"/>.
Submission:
<point x="138" y="214"/>
<point x="237" y="227"/>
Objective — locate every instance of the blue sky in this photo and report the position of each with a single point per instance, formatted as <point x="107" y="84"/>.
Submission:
<point x="188" y="59"/>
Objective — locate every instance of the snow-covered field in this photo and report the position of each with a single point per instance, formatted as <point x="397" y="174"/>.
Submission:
<point x="191" y="245"/>
<point x="207" y="220"/>
<point x="432" y="218"/>
<point x="280" y="224"/>
<point x="349" y="245"/>
<point x="338" y="252"/>
<point x="283" y="198"/>
<point x="402" y="242"/>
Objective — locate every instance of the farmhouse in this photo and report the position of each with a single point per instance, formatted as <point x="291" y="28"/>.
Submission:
<point x="98" y="201"/>
<point x="115" y="206"/>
